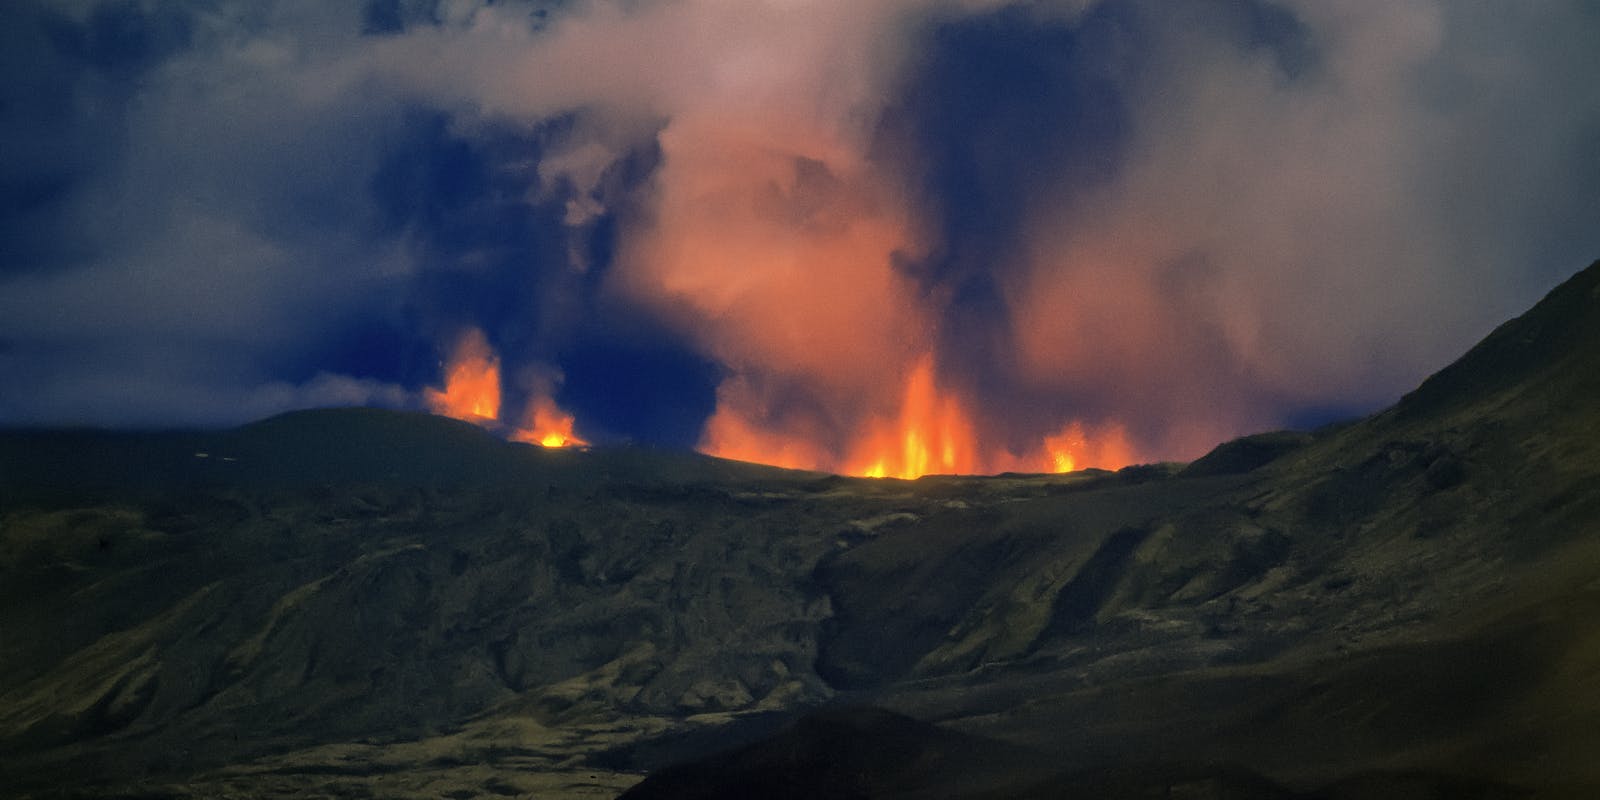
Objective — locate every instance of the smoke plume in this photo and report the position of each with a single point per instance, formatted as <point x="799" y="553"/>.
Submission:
<point x="882" y="238"/>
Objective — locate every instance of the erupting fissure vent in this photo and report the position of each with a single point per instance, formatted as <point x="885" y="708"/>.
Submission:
<point x="472" y="393"/>
<point x="931" y="432"/>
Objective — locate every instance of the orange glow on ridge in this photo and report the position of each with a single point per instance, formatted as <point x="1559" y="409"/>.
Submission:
<point x="930" y="433"/>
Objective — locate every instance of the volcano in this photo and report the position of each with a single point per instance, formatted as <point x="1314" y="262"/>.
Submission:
<point x="360" y="602"/>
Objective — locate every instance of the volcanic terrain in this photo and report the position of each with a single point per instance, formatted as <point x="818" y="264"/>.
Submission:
<point x="353" y="603"/>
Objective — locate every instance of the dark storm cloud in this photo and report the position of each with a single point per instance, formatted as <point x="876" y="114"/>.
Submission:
<point x="485" y="251"/>
<point x="199" y="220"/>
<point x="640" y="386"/>
<point x="521" y="254"/>
<point x="200" y="226"/>
<point x="50" y="142"/>
<point x="997" y="108"/>
<point x="122" y="39"/>
<point x="996" y="105"/>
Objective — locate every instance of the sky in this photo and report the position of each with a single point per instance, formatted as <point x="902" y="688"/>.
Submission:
<point x="883" y="237"/>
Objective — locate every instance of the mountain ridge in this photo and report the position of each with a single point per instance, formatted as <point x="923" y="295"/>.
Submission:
<point x="1402" y="604"/>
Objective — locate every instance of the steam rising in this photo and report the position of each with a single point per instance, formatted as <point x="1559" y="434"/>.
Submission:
<point x="1108" y="231"/>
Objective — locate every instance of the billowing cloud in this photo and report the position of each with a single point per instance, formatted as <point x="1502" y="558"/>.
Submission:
<point x="1316" y="218"/>
<point x="829" y="233"/>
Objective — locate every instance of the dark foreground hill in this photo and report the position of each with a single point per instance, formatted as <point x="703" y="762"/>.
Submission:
<point x="366" y="603"/>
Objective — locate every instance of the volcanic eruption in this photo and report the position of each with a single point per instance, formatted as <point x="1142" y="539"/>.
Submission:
<point x="885" y="238"/>
<point x="472" y="392"/>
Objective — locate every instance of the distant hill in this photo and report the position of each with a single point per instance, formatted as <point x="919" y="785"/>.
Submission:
<point x="330" y="446"/>
<point x="374" y="603"/>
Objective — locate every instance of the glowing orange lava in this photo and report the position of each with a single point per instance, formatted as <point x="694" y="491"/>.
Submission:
<point x="472" y="393"/>
<point x="931" y="432"/>
<point x="471" y="382"/>
<point x="547" y="425"/>
<point x="1073" y="447"/>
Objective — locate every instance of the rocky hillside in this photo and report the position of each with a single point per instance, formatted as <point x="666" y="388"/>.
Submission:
<point x="357" y="602"/>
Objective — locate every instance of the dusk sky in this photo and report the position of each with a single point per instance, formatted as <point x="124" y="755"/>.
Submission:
<point x="801" y="232"/>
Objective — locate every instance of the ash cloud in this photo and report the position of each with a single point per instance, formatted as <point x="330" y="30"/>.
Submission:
<point x="1192" y="221"/>
<point x="1231" y="213"/>
<point x="1337" y="269"/>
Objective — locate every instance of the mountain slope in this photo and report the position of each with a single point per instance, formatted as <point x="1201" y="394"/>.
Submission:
<point x="352" y="602"/>
<point x="1427" y="540"/>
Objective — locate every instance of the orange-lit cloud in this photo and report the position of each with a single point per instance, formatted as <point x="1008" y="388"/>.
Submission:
<point x="780" y="233"/>
<point x="776" y="240"/>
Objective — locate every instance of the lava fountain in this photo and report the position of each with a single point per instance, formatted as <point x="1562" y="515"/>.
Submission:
<point x="472" y="392"/>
